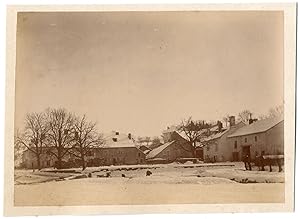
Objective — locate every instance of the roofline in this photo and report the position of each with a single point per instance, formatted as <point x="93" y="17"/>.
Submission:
<point x="170" y="143"/>
<point x="217" y="137"/>
<point x="117" y="147"/>
<point x="232" y="136"/>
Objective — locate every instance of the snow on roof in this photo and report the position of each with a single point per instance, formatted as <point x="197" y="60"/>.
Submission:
<point x="217" y="135"/>
<point x="122" y="140"/>
<point x="183" y="135"/>
<point x="157" y="159"/>
<point x="214" y="128"/>
<point x="159" y="149"/>
<point x="257" y="127"/>
<point x="146" y="151"/>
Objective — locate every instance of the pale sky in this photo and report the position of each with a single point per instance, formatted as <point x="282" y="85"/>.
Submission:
<point x="140" y="72"/>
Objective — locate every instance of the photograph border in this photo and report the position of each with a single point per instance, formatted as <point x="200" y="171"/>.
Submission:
<point x="289" y="10"/>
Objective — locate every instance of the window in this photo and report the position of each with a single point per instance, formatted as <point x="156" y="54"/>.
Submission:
<point x="245" y="140"/>
<point x="115" y="139"/>
<point x="255" y="138"/>
<point x="139" y="154"/>
<point x="235" y="144"/>
<point x="207" y="148"/>
<point x="216" y="148"/>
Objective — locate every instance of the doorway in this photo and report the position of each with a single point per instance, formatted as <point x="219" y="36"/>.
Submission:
<point x="246" y="151"/>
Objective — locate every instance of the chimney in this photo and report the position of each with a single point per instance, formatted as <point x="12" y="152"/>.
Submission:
<point x="208" y="132"/>
<point x="220" y="126"/>
<point x="129" y="136"/>
<point x="232" y="121"/>
<point x="252" y="120"/>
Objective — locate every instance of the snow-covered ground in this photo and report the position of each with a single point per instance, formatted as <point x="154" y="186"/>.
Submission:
<point x="170" y="183"/>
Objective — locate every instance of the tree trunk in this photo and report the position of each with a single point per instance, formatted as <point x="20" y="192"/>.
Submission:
<point x="194" y="153"/>
<point x="59" y="163"/>
<point x="38" y="159"/>
<point x="59" y="157"/>
<point x="83" y="163"/>
<point x="194" y="149"/>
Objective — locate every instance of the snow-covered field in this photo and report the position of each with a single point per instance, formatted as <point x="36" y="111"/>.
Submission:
<point x="172" y="183"/>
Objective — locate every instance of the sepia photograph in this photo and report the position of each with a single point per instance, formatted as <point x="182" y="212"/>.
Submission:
<point x="151" y="107"/>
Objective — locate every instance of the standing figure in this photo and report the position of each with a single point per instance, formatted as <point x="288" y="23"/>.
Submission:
<point x="262" y="161"/>
<point x="245" y="160"/>
<point x="248" y="160"/>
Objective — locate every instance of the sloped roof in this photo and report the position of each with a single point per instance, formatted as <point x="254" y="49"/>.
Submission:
<point x="159" y="149"/>
<point x="257" y="127"/>
<point x="122" y="140"/>
<point x="144" y="147"/>
<point x="146" y="151"/>
<point x="183" y="135"/>
<point x="216" y="136"/>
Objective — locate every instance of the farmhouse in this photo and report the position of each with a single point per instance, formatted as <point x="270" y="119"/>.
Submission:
<point x="29" y="160"/>
<point x="118" y="149"/>
<point x="175" y="147"/>
<point x="217" y="146"/>
<point x="238" y="140"/>
<point x="261" y="137"/>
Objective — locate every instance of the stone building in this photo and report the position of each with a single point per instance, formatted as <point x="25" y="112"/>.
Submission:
<point x="253" y="139"/>
<point x="217" y="145"/>
<point x="175" y="147"/>
<point x="260" y="137"/>
<point x="118" y="149"/>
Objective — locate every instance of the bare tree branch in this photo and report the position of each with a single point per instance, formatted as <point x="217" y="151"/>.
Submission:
<point x="86" y="138"/>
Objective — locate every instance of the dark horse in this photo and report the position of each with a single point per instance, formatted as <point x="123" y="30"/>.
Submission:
<point x="269" y="160"/>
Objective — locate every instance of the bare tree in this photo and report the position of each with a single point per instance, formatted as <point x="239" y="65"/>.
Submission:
<point x="194" y="130"/>
<point x="226" y="120"/>
<point x="276" y="111"/>
<point x="61" y="128"/>
<point x="244" y="115"/>
<point x="260" y="117"/>
<point x="273" y="112"/>
<point x="86" y="138"/>
<point x="18" y="149"/>
<point x="147" y="140"/>
<point x="155" y="142"/>
<point x="34" y="135"/>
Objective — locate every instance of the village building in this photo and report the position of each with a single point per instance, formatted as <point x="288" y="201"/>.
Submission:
<point x="29" y="160"/>
<point x="262" y="137"/>
<point x="238" y="140"/>
<point x="174" y="148"/>
<point x="118" y="149"/>
<point x="217" y="145"/>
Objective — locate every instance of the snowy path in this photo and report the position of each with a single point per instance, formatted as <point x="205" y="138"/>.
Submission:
<point x="92" y="191"/>
<point x="168" y="184"/>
